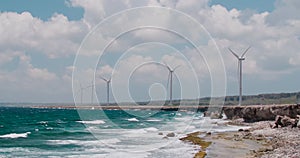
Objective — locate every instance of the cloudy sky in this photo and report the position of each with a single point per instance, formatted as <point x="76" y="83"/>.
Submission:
<point x="40" y="40"/>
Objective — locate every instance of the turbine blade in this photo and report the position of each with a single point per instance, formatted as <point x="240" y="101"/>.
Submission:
<point x="167" y="66"/>
<point x="104" y="79"/>
<point x="233" y="53"/>
<point x="246" y="51"/>
<point x="176" y="67"/>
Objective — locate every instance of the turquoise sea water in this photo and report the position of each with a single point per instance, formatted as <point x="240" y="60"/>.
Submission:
<point x="33" y="132"/>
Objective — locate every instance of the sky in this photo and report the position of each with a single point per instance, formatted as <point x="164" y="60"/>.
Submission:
<point x="42" y="42"/>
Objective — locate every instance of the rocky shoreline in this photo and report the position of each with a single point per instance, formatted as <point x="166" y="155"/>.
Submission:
<point x="254" y="113"/>
<point x="273" y="131"/>
<point x="259" y="141"/>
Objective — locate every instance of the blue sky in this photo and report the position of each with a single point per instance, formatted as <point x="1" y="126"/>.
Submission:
<point x="259" y="6"/>
<point x="38" y="49"/>
<point x="42" y="9"/>
<point x="45" y="9"/>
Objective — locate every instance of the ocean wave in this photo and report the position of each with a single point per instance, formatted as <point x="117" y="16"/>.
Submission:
<point x="153" y="120"/>
<point x="15" y="135"/>
<point x="133" y="120"/>
<point x="151" y="129"/>
<point x="85" y="142"/>
<point x="93" y="122"/>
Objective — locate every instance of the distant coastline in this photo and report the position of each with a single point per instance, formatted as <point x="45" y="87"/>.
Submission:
<point x="259" y="99"/>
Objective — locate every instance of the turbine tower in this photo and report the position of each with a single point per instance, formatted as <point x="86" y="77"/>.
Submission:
<point x="81" y="91"/>
<point x="240" y="61"/>
<point x="107" y="88"/>
<point x="170" y="78"/>
<point x="92" y="95"/>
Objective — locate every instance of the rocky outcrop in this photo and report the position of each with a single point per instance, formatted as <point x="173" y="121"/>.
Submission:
<point x="284" y="121"/>
<point x="261" y="112"/>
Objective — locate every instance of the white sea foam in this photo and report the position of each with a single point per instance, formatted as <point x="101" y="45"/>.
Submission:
<point x="178" y="114"/>
<point x="151" y="129"/>
<point x="15" y="135"/>
<point x="93" y="122"/>
<point x="153" y="120"/>
<point x="133" y="120"/>
<point x="91" y="143"/>
<point x="43" y="122"/>
<point x="110" y="141"/>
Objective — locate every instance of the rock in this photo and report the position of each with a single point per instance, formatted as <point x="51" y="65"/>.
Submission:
<point x="215" y="115"/>
<point x="284" y="121"/>
<point x="160" y="133"/>
<point x="298" y="124"/>
<point x="278" y="121"/>
<point x="266" y="149"/>
<point x="261" y="112"/>
<point x="241" y="130"/>
<point x="171" y="135"/>
<point x="295" y="122"/>
<point x="287" y="121"/>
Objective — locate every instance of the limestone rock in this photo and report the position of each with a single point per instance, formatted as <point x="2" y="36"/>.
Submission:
<point x="261" y="112"/>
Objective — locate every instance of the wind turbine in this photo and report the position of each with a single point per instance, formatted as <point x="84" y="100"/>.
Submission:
<point x="170" y="78"/>
<point x="240" y="61"/>
<point x="81" y="91"/>
<point x="107" y="88"/>
<point x="92" y="94"/>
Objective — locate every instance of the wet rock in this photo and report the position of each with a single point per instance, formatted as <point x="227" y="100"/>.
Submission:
<point x="241" y="130"/>
<point x="215" y="115"/>
<point x="171" y="135"/>
<point x="160" y="133"/>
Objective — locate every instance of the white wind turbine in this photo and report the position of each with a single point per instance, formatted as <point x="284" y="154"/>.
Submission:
<point x="170" y="78"/>
<point x="240" y="61"/>
<point x="107" y="88"/>
<point x="81" y="91"/>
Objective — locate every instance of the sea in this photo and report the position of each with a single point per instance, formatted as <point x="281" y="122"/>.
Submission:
<point x="61" y="132"/>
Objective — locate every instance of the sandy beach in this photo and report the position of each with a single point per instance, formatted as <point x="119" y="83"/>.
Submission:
<point x="260" y="140"/>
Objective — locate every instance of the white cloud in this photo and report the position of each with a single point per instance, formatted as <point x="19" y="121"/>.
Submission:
<point x="57" y="37"/>
<point x="274" y="37"/>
